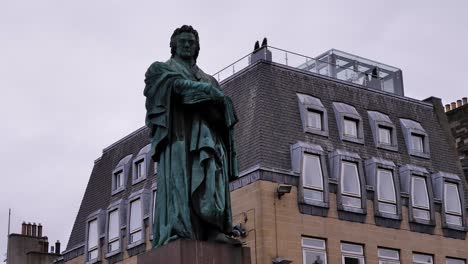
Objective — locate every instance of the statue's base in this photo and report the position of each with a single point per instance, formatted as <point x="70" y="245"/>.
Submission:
<point x="196" y="252"/>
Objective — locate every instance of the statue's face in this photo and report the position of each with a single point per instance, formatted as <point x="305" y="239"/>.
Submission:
<point x="186" y="45"/>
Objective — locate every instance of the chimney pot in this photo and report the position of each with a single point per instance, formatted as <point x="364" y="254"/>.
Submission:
<point x="52" y="249"/>
<point x="459" y="103"/>
<point x="453" y="105"/>
<point x="28" y="229"/>
<point x="39" y="230"/>
<point x="46" y="246"/>
<point x="447" y="107"/>
<point x="465" y="100"/>
<point x="34" y="230"/>
<point x="23" y="228"/>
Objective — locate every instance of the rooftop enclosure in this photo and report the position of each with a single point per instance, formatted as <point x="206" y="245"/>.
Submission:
<point x="333" y="63"/>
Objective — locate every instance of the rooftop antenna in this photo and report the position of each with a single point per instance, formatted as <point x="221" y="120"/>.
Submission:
<point x="9" y="218"/>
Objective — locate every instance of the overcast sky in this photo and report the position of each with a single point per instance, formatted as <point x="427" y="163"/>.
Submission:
<point x="71" y="74"/>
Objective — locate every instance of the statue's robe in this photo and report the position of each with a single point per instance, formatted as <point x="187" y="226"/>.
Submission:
<point x="193" y="143"/>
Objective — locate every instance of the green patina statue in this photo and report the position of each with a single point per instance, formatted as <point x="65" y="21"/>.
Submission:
<point x="191" y="123"/>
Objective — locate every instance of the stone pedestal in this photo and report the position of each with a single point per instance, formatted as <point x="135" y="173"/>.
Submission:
<point x="196" y="252"/>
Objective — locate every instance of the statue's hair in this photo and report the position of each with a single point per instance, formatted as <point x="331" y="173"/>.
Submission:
<point x="182" y="29"/>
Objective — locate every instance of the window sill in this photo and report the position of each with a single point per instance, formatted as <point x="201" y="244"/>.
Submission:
<point x="135" y="244"/>
<point x="422" y="226"/>
<point x="352" y="214"/>
<point x="419" y="154"/>
<point x="116" y="191"/>
<point x="113" y="253"/>
<point x="138" y="180"/>
<point x="458" y="232"/>
<point x="388" y="222"/>
<point x="323" y="133"/>
<point x="389" y="216"/>
<point x="352" y="139"/>
<point x="318" y="209"/>
<point x="388" y="147"/>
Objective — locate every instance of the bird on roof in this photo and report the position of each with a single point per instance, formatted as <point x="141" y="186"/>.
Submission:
<point x="264" y="42"/>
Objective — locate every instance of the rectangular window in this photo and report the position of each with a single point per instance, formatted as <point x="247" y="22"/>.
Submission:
<point x="454" y="261"/>
<point x="350" y="127"/>
<point x="385" y="135"/>
<point x="453" y="212"/>
<point x="135" y="221"/>
<point x="350" y="184"/>
<point x="386" y="191"/>
<point x="352" y="254"/>
<point x="314" y="251"/>
<point x="314" y="119"/>
<point x="118" y="180"/>
<point x="389" y="256"/>
<point x="139" y="169"/>
<point x="420" y="198"/>
<point x="417" y="143"/>
<point x="92" y="240"/>
<point x="312" y="177"/>
<point x="422" y="259"/>
<point x="113" y="232"/>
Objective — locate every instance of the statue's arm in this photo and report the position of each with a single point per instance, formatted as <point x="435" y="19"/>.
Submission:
<point x="189" y="88"/>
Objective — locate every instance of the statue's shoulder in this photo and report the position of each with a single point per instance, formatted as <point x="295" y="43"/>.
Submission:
<point x="158" y="67"/>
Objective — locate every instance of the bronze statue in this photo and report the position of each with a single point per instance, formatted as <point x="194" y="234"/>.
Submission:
<point x="191" y="123"/>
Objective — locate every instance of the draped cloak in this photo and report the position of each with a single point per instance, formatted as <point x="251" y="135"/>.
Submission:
<point x="192" y="139"/>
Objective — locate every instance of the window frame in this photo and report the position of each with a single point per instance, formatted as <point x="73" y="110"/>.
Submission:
<point x="406" y="174"/>
<point x="378" y="120"/>
<point x="336" y="159"/>
<point x="439" y="180"/>
<point x="410" y="128"/>
<point x="120" y="206"/>
<point x="344" y="111"/>
<point x="303" y="177"/>
<point x="298" y="151"/>
<point x="314" y="249"/>
<point x="154" y="191"/>
<point x="352" y="254"/>
<point x="97" y="216"/>
<point x="308" y="103"/>
<point x="388" y="259"/>
<point x="144" y="195"/>
<point x="422" y="254"/>
<point x="142" y="157"/>
<point x="123" y="167"/>
<point x="373" y="166"/>
<point x="456" y="259"/>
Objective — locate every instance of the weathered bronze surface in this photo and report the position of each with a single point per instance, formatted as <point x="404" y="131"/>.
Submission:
<point x="192" y="139"/>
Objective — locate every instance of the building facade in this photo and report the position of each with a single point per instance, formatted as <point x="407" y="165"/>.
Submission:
<point x="457" y="115"/>
<point x="336" y="166"/>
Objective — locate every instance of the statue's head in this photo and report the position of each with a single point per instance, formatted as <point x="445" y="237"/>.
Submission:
<point x="185" y="42"/>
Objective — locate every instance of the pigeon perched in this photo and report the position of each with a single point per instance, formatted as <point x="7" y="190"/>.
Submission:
<point x="257" y="46"/>
<point x="264" y="42"/>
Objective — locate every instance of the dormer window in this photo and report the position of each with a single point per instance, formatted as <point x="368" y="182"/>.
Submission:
<point x="385" y="135"/>
<point x="141" y="165"/>
<point x="314" y="119"/>
<point x="417" y="143"/>
<point x="448" y="188"/>
<point x="349" y="123"/>
<point x="313" y="115"/>
<point x="351" y="127"/>
<point x="113" y="243"/>
<point x="416" y="138"/>
<point x="120" y="173"/>
<point x="383" y="131"/>
<point x="312" y="176"/>
<point x="135" y="222"/>
<point x="386" y="191"/>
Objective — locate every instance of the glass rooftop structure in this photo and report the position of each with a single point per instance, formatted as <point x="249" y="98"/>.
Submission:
<point x="333" y="63"/>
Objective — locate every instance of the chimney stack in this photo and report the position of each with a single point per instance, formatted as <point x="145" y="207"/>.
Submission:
<point x="39" y="230"/>
<point x="52" y="249"/>
<point x="447" y="107"/>
<point x="28" y="229"/>
<point x="57" y="247"/>
<point x="465" y="100"/>
<point x="23" y="228"/>
<point x="34" y="230"/>
<point x="46" y="246"/>
<point x="453" y="105"/>
<point x="459" y="103"/>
